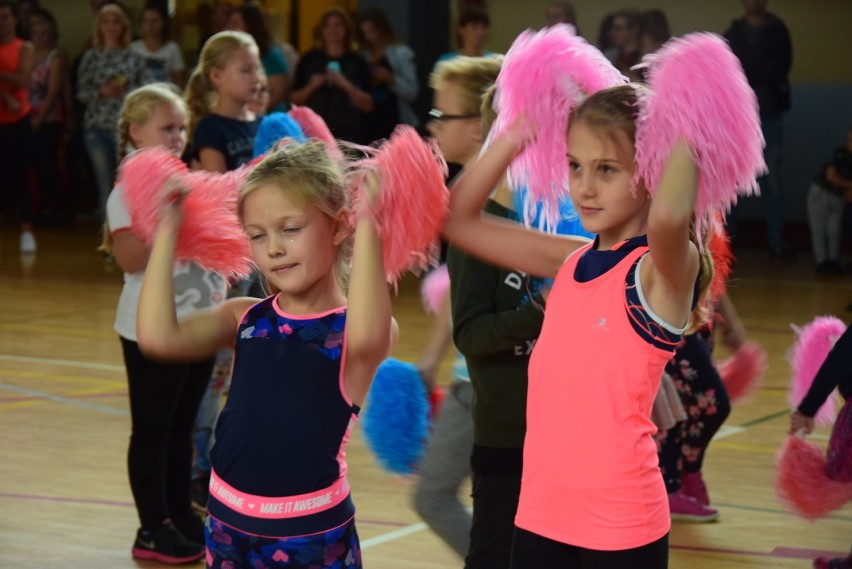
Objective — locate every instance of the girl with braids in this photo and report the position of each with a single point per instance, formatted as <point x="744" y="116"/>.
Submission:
<point x="219" y="94"/>
<point x="164" y="397"/>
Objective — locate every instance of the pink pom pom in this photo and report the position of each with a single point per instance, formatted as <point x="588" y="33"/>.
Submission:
<point x="544" y="75"/>
<point x="802" y="484"/>
<point x="806" y="356"/>
<point x="743" y="372"/>
<point x="413" y="201"/>
<point x="699" y="93"/>
<point x="435" y="289"/>
<point x="314" y="127"/>
<point x="210" y="234"/>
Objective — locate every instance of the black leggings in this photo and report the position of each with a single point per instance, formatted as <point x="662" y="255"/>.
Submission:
<point x="532" y="550"/>
<point x="164" y="399"/>
<point x="707" y="405"/>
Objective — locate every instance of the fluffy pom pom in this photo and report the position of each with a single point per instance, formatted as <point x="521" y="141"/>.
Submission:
<point x="720" y="250"/>
<point x="544" y="75"/>
<point x="532" y="213"/>
<point x="806" y="356"/>
<point x="273" y="128"/>
<point x="743" y="372"/>
<point x="413" y="201"/>
<point x="435" y="289"/>
<point x="314" y="127"/>
<point x="210" y="233"/>
<point x="699" y="93"/>
<point x="396" y="417"/>
<point x="801" y="482"/>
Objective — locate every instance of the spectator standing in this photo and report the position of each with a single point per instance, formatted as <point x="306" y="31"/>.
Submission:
<point x="332" y="79"/>
<point x="47" y="85"/>
<point x="161" y="54"/>
<point x="761" y="41"/>
<point x="393" y="75"/>
<point x="16" y="56"/>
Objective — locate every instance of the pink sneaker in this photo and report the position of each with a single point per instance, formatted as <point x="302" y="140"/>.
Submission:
<point x="836" y="563"/>
<point x="692" y="484"/>
<point x="687" y="508"/>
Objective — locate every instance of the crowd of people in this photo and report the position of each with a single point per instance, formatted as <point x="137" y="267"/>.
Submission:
<point x="123" y="94"/>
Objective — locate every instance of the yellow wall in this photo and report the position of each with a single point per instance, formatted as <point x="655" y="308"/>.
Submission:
<point x="820" y="29"/>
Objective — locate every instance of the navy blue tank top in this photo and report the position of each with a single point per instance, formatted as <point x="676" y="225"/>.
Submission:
<point x="287" y="419"/>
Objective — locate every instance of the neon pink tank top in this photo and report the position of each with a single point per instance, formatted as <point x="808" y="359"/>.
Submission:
<point x="591" y="475"/>
<point x="10" y="56"/>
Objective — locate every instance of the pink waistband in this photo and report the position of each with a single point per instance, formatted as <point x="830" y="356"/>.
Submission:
<point x="278" y="508"/>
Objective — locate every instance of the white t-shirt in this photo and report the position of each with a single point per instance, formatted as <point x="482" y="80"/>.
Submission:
<point x="162" y="62"/>
<point x="195" y="288"/>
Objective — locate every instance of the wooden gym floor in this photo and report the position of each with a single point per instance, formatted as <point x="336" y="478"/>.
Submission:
<point x="64" y="425"/>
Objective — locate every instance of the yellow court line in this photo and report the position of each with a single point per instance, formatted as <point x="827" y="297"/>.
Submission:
<point x="763" y="449"/>
<point x="56" y="331"/>
<point x="61" y="377"/>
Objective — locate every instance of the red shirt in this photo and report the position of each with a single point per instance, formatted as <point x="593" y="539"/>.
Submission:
<point x="10" y="61"/>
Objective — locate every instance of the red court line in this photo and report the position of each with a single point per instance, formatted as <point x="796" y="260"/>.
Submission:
<point x="786" y="552"/>
<point x="96" y="502"/>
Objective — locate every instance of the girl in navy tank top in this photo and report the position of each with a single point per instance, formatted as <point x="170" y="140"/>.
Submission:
<point x="305" y="357"/>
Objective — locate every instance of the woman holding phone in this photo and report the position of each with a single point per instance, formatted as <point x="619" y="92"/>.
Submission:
<point x="332" y="78"/>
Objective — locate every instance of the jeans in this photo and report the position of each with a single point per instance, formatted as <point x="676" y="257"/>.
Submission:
<point x="102" y="146"/>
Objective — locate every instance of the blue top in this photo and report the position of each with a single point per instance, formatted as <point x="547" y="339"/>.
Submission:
<point x="233" y="138"/>
<point x="284" y="427"/>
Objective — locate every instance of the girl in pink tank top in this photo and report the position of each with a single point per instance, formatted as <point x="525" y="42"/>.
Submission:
<point x="592" y="494"/>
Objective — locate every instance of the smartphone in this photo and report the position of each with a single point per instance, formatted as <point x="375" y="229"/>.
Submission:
<point x="333" y="66"/>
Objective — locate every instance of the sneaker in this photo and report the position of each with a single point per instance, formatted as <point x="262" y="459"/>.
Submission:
<point x="166" y="545"/>
<point x="200" y="491"/>
<point x="687" y="508"/>
<point x="692" y="484"/>
<point x="28" y="242"/>
<point x="191" y="526"/>
<point x="835" y="563"/>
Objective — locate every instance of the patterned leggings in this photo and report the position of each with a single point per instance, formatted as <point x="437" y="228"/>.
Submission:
<point x="229" y="548"/>
<point x="707" y="406"/>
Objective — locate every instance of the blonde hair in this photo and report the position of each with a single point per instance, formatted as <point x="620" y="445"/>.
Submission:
<point x="473" y="75"/>
<point x="489" y="115"/>
<point x="200" y="95"/>
<point x="138" y="107"/>
<point x="308" y="174"/>
<point x="614" y="111"/>
<point x="126" y="37"/>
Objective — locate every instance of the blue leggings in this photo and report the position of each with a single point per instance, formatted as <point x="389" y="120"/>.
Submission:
<point x="229" y="548"/>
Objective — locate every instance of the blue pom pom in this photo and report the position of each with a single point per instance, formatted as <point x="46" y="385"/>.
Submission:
<point x="568" y="222"/>
<point x="273" y="127"/>
<point x="395" y="420"/>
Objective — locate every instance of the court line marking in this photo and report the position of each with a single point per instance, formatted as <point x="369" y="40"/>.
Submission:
<point x="65" y="400"/>
<point x="68" y="363"/>
<point x="724" y="432"/>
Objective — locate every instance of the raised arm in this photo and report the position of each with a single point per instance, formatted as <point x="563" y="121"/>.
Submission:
<point x="159" y="333"/>
<point x="668" y="280"/>
<point x="370" y="329"/>
<point x="492" y="239"/>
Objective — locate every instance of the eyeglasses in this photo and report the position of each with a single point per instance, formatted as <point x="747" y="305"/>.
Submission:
<point x="439" y="116"/>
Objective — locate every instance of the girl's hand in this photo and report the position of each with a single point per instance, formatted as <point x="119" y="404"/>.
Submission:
<point x="799" y="422"/>
<point x="174" y="194"/>
<point x="371" y="189"/>
<point x="522" y="131"/>
<point x="336" y="78"/>
<point x="316" y="81"/>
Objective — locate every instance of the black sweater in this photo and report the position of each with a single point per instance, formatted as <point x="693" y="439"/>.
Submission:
<point x="836" y="371"/>
<point x="497" y="316"/>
